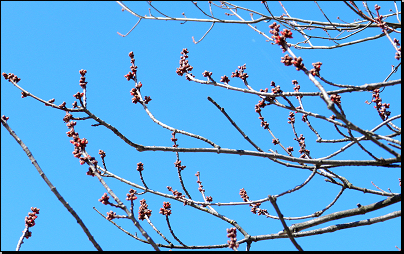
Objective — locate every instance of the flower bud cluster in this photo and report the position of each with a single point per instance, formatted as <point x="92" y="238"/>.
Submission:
<point x="207" y="74"/>
<point x="379" y="19"/>
<point x="5" y="118"/>
<point x="143" y="210"/>
<point x="184" y="65"/>
<point x="297" y="62"/>
<point x="261" y="104"/>
<point x="79" y="144"/>
<point x="291" y="118"/>
<point x="224" y="79"/>
<point x="174" y="139"/>
<point x="166" y="209"/>
<point x="398" y="54"/>
<point x="83" y="82"/>
<point x="102" y="154"/>
<point x="335" y="98"/>
<point x="132" y="75"/>
<point x="11" y="77"/>
<point x="240" y="73"/>
<point x="139" y="167"/>
<point x="316" y="70"/>
<point x="78" y="95"/>
<point x="380" y="107"/>
<point x="255" y="209"/>
<point x="200" y="188"/>
<point x="232" y="234"/>
<point x="276" y="89"/>
<point x="30" y="221"/>
<point x="136" y="96"/>
<point x="303" y="151"/>
<point x="111" y="215"/>
<point x="243" y="194"/>
<point x="176" y="193"/>
<point x="280" y="39"/>
<point x="179" y="166"/>
<point x="287" y="60"/>
<point x="131" y="195"/>
<point x="104" y="199"/>
<point x="133" y="68"/>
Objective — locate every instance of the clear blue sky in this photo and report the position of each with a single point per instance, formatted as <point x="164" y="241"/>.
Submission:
<point x="47" y="43"/>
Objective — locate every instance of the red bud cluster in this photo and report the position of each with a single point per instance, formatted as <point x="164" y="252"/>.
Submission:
<point x="184" y="65"/>
<point x="83" y="82"/>
<point x="398" y="54"/>
<point x="111" y="215"/>
<point x="79" y="144"/>
<point x="139" y="167"/>
<point x="291" y="118"/>
<point x="11" y="77"/>
<point x="131" y="195"/>
<point x="78" y="95"/>
<point x="136" y="96"/>
<point x="280" y="38"/>
<point x="276" y="89"/>
<point x="133" y="68"/>
<point x="243" y="194"/>
<point x="174" y="139"/>
<point x="176" y="193"/>
<point x="380" y="107"/>
<point x="30" y="221"/>
<point x="179" y="166"/>
<point x="207" y="74"/>
<point x="232" y="234"/>
<point x="224" y="79"/>
<point x="143" y="210"/>
<point x="298" y="63"/>
<point x="336" y="98"/>
<point x="200" y="188"/>
<point x="166" y="209"/>
<point x="316" y="70"/>
<point x="5" y="118"/>
<point x="104" y="199"/>
<point x="303" y="151"/>
<point x="102" y="154"/>
<point x="287" y="60"/>
<point x="240" y="73"/>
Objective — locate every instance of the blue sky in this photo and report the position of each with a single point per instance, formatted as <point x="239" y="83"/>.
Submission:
<point x="47" y="43"/>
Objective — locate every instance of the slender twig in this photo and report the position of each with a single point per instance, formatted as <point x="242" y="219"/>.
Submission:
<point x="21" y="241"/>
<point x="130" y="29"/>
<point x="171" y="128"/>
<point x="234" y="124"/>
<point x="172" y="232"/>
<point x="196" y="42"/>
<point x="292" y="239"/>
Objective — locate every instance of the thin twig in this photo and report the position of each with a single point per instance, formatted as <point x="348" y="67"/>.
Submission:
<point x="292" y="239"/>
<point x="234" y="124"/>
